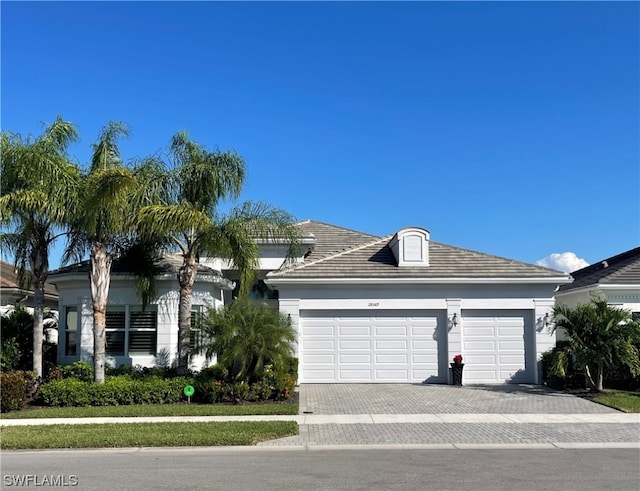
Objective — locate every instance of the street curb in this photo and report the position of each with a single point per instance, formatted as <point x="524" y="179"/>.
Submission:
<point x="319" y="448"/>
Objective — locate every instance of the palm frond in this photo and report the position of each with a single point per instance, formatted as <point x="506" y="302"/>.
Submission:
<point x="106" y="152"/>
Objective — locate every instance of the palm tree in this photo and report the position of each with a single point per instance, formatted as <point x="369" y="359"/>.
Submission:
<point x="245" y="336"/>
<point x="37" y="199"/>
<point x="195" y="186"/>
<point x="104" y="225"/>
<point x="599" y="336"/>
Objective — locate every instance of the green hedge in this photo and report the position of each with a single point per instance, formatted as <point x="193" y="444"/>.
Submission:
<point x="115" y="391"/>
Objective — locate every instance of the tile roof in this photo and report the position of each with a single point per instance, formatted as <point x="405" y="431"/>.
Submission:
<point x="621" y="269"/>
<point x="9" y="280"/>
<point x="343" y="253"/>
<point x="167" y="264"/>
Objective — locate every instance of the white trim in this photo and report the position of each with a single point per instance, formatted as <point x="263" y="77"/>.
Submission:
<point x="216" y="279"/>
<point x="634" y="288"/>
<point x="414" y="281"/>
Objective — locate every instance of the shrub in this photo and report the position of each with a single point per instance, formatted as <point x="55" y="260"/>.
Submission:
<point x="120" y="390"/>
<point x="13" y="386"/>
<point x="80" y="370"/>
<point x="239" y="392"/>
<point x="214" y="372"/>
<point x="284" y="385"/>
<point x="16" y="349"/>
<point x="260" y="391"/>
<point x="558" y="368"/>
<point x="246" y="336"/>
<point x="65" y="392"/>
<point x="9" y="354"/>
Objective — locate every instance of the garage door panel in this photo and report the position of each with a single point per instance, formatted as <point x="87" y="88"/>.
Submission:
<point x="318" y="344"/>
<point x="359" y="344"/>
<point x="425" y="374"/>
<point x="483" y="331"/>
<point x="391" y="331"/>
<point x="479" y="376"/>
<point x="426" y="331"/>
<point x="314" y="358"/>
<point x="395" y="359"/>
<point x="392" y="375"/>
<point x="494" y="346"/>
<point x="355" y="375"/>
<point x="516" y="360"/>
<point x="516" y="331"/>
<point x="510" y="345"/>
<point x="381" y="346"/>
<point x="425" y="359"/>
<point x="354" y="330"/>
<point x="481" y="345"/>
<point x="425" y="344"/>
<point x="480" y="359"/>
<point x="355" y="358"/>
<point x="321" y="331"/>
<point x="319" y="375"/>
<point x="391" y="344"/>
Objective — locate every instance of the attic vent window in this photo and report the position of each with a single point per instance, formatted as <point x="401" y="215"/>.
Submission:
<point x="413" y="248"/>
<point x="410" y="247"/>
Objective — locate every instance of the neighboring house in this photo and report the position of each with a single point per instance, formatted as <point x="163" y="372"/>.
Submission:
<point x="11" y="293"/>
<point x="135" y="335"/>
<point x="616" y="279"/>
<point x="393" y="309"/>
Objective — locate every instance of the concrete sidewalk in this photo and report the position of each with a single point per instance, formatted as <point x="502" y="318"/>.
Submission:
<point x="349" y="419"/>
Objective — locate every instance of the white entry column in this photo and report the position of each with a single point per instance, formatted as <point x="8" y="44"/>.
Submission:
<point x="545" y="336"/>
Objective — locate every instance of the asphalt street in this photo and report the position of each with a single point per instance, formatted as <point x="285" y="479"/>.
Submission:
<point x="262" y="469"/>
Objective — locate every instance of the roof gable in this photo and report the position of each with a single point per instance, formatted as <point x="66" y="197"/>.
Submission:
<point x="373" y="258"/>
<point x="9" y="280"/>
<point x="621" y="269"/>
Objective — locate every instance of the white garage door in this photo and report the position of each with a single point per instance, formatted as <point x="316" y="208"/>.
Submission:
<point x="381" y="346"/>
<point x="494" y="347"/>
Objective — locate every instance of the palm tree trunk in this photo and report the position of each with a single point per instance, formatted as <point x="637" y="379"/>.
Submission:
<point x="39" y="270"/>
<point x="600" y="377"/>
<point x="38" y="329"/>
<point x="100" y="278"/>
<point x="186" y="279"/>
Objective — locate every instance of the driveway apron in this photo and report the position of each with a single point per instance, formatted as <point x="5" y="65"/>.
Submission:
<point x="440" y="399"/>
<point x="407" y="415"/>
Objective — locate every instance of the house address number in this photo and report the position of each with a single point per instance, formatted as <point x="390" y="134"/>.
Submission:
<point x="373" y="304"/>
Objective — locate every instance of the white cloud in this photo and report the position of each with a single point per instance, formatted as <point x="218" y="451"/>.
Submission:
<point x="566" y="261"/>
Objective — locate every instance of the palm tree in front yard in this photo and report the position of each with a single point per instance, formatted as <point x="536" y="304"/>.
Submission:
<point x="599" y="336"/>
<point x="245" y="336"/>
<point x="104" y="225"/>
<point x="37" y="200"/>
<point x="197" y="183"/>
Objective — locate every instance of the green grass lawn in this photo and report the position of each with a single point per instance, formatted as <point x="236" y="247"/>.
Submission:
<point x="144" y="435"/>
<point x="156" y="410"/>
<point x="624" y="400"/>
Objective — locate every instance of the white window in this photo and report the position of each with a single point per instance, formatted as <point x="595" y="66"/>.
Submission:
<point x="71" y="331"/>
<point x="196" y="323"/>
<point x="131" y="330"/>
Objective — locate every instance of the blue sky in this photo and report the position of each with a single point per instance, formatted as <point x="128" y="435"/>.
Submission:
<point x="510" y="128"/>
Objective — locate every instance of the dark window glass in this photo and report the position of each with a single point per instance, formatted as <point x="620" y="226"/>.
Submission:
<point x="115" y="326"/>
<point x="71" y="332"/>
<point x="143" y="330"/>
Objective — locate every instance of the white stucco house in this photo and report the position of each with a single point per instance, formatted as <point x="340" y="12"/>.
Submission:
<point x="616" y="279"/>
<point x="367" y="309"/>
<point x="135" y="335"/>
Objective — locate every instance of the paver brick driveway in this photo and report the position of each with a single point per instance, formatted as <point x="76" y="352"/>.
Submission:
<point x="440" y="399"/>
